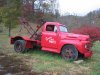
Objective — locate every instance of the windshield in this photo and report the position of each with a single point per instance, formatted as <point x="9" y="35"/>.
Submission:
<point x="63" y="29"/>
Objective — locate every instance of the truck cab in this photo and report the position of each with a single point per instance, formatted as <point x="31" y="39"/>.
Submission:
<point x="56" y="38"/>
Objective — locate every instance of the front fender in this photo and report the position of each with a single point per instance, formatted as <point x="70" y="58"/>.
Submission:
<point x="76" y="43"/>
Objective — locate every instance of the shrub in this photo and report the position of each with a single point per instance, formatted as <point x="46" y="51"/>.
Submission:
<point x="91" y="30"/>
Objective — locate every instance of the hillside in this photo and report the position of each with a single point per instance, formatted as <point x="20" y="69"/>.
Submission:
<point x="92" y="18"/>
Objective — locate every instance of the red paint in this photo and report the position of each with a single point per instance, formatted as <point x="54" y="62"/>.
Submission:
<point x="53" y="41"/>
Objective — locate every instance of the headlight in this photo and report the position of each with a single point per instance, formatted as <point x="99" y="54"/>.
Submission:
<point x="86" y="46"/>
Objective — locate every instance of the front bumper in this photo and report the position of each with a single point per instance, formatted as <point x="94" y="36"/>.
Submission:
<point x="88" y="54"/>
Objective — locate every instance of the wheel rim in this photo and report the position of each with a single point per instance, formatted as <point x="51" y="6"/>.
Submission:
<point x="18" y="47"/>
<point x="68" y="54"/>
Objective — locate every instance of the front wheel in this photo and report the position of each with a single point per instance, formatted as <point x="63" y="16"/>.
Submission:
<point x="19" y="46"/>
<point x="69" y="52"/>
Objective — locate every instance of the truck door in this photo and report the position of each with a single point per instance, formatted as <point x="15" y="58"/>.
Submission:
<point x="50" y="37"/>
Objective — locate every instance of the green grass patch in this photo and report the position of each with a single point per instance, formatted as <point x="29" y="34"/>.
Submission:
<point x="46" y="61"/>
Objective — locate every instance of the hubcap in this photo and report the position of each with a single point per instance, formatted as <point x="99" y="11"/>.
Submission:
<point x="18" y="47"/>
<point x="68" y="54"/>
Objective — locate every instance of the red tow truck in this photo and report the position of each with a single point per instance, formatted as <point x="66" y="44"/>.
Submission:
<point x="55" y="38"/>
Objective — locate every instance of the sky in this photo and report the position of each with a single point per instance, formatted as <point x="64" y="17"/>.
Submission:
<point x="78" y="7"/>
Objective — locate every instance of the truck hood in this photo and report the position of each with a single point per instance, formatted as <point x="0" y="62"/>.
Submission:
<point x="75" y="36"/>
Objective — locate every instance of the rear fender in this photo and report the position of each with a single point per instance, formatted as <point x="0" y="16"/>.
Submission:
<point x="29" y="43"/>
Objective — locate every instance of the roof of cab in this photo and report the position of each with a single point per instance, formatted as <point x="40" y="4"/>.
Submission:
<point x="56" y="23"/>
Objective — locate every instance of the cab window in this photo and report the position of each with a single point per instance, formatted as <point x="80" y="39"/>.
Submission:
<point x="51" y="28"/>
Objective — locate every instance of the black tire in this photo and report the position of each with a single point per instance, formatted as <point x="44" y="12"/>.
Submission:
<point x="69" y="53"/>
<point x="19" y="46"/>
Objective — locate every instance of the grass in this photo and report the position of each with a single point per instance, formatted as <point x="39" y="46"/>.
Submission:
<point x="41" y="61"/>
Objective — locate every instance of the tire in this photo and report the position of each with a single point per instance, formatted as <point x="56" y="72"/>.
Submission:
<point x="19" y="46"/>
<point x="69" y="53"/>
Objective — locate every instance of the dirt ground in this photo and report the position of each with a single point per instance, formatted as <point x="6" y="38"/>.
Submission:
<point x="9" y="65"/>
<point x="12" y="66"/>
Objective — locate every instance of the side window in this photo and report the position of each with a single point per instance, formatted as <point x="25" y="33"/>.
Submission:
<point x="51" y="28"/>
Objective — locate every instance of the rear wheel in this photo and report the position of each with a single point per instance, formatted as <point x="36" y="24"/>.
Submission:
<point x="19" y="46"/>
<point x="69" y="52"/>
